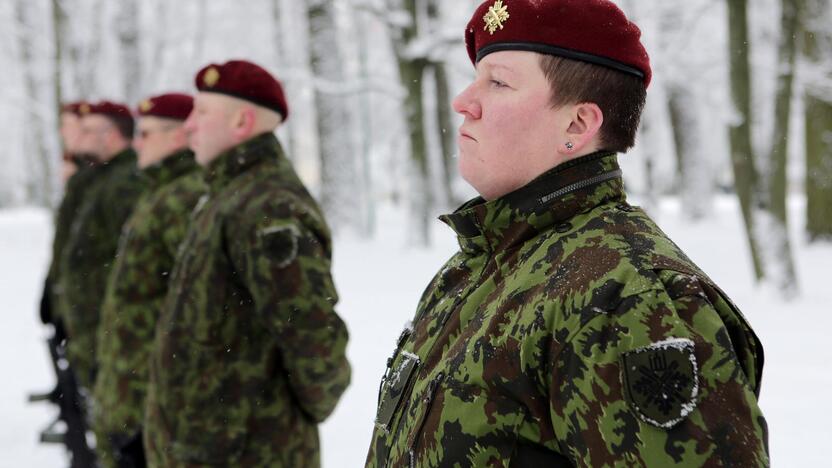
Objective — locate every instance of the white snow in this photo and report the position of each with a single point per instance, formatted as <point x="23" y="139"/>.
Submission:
<point x="380" y="282"/>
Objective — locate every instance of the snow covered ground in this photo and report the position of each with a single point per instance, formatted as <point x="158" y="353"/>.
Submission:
<point x="380" y="282"/>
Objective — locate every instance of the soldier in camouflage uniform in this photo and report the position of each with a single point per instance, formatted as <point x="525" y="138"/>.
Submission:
<point x="139" y="280"/>
<point x="93" y="238"/>
<point x="250" y="353"/>
<point x="76" y="179"/>
<point x="568" y="330"/>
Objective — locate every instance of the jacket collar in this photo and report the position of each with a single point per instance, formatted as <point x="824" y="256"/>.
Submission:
<point x="170" y="168"/>
<point x="240" y="159"/>
<point x="125" y="157"/>
<point x="545" y="203"/>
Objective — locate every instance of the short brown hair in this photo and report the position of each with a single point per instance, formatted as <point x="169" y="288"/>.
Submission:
<point x="125" y="125"/>
<point x="619" y="96"/>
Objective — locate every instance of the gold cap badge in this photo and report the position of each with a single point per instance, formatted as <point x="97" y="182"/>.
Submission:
<point x="496" y="17"/>
<point x="146" y="105"/>
<point x="211" y="77"/>
<point x="84" y="109"/>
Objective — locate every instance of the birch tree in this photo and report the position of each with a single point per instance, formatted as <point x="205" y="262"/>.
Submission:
<point x="37" y="109"/>
<point x="340" y="192"/>
<point x="127" y="27"/>
<point x="82" y="37"/>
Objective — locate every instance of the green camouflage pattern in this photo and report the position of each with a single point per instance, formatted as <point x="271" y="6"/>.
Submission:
<point x="89" y="254"/>
<point x="135" y="290"/>
<point x="68" y="209"/>
<point x="250" y="353"/>
<point x="516" y="354"/>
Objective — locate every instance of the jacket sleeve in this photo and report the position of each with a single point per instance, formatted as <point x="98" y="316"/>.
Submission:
<point x="281" y="253"/>
<point x="655" y="382"/>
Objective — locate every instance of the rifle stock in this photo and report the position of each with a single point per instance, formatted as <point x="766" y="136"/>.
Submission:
<point x="72" y="410"/>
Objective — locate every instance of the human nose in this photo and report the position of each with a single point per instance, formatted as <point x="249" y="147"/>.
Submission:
<point x="467" y="103"/>
<point x="189" y="124"/>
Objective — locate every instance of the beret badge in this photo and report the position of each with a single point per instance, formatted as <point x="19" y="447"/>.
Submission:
<point x="146" y="105"/>
<point x="84" y="109"/>
<point x="496" y="17"/>
<point x="211" y="77"/>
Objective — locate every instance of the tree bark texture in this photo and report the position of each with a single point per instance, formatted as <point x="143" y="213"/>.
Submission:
<point x="742" y="154"/>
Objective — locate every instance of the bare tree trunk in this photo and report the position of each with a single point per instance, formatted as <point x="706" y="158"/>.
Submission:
<point x="443" y="118"/>
<point x="818" y="110"/>
<point x="282" y="60"/>
<point x="58" y="28"/>
<point x="695" y="176"/>
<point x="364" y="111"/>
<point x="84" y="55"/>
<point x="411" y="71"/>
<point x="447" y="130"/>
<point x="742" y="153"/>
<point x="201" y="25"/>
<point x="128" y="36"/>
<point x="340" y="194"/>
<point x="152" y="78"/>
<point x="41" y="185"/>
<point x="781" y="264"/>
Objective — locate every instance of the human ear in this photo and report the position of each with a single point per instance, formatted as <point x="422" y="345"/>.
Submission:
<point x="244" y="123"/>
<point x="582" y="135"/>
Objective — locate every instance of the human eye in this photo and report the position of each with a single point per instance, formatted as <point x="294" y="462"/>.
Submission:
<point x="498" y="83"/>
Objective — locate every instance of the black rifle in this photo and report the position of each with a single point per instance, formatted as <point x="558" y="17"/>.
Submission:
<point x="69" y="400"/>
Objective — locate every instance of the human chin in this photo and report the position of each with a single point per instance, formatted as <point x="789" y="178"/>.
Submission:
<point x="472" y="171"/>
<point x="202" y="156"/>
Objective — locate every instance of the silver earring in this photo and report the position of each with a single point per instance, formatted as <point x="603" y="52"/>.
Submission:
<point x="569" y="145"/>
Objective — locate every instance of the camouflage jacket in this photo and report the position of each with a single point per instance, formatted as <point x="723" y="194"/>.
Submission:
<point x="136" y="288"/>
<point x="74" y="191"/>
<point x="90" y="253"/>
<point x="570" y="331"/>
<point x="250" y="353"/>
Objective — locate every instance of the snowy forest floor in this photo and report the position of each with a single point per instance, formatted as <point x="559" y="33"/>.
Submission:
<point x="380" y="282"/>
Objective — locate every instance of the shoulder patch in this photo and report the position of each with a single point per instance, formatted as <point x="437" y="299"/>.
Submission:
<point x="661" y="381"/>
<point x="280" y="243"/>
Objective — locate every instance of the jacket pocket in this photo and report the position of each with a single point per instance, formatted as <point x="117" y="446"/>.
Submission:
<point x="395" y="387"/>
<point x="419" y="434"/>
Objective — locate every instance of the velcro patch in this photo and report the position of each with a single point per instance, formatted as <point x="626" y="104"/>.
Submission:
<point x="661" y="381"/>
<point x="280" y="243"/>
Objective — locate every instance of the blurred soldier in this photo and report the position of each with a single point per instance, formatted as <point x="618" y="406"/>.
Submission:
<point x="70" y="427"/>
<point x="70" y="131"/>
<point x="250" y="354"/>
<point x="568" y="330"/>
<point x="74" y="175"/>
<point x="107" y="129"/>
<point x="139" y="279"/>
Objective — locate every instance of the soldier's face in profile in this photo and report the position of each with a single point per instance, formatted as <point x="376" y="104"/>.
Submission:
<point x="70" y="131"/>
<point x="156" y="139"/>
<point x="95" y="132"/>
<point x="510" y="131"/>
<point x="210" y="127"/>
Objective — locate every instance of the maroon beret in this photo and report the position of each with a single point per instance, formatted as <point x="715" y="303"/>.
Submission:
<point x="594" y="31"/>
<point x="106" y="108"/>
<point x="72" y="107"/>
<point x="244" y="80"/>
<point x="167" y="106"/>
